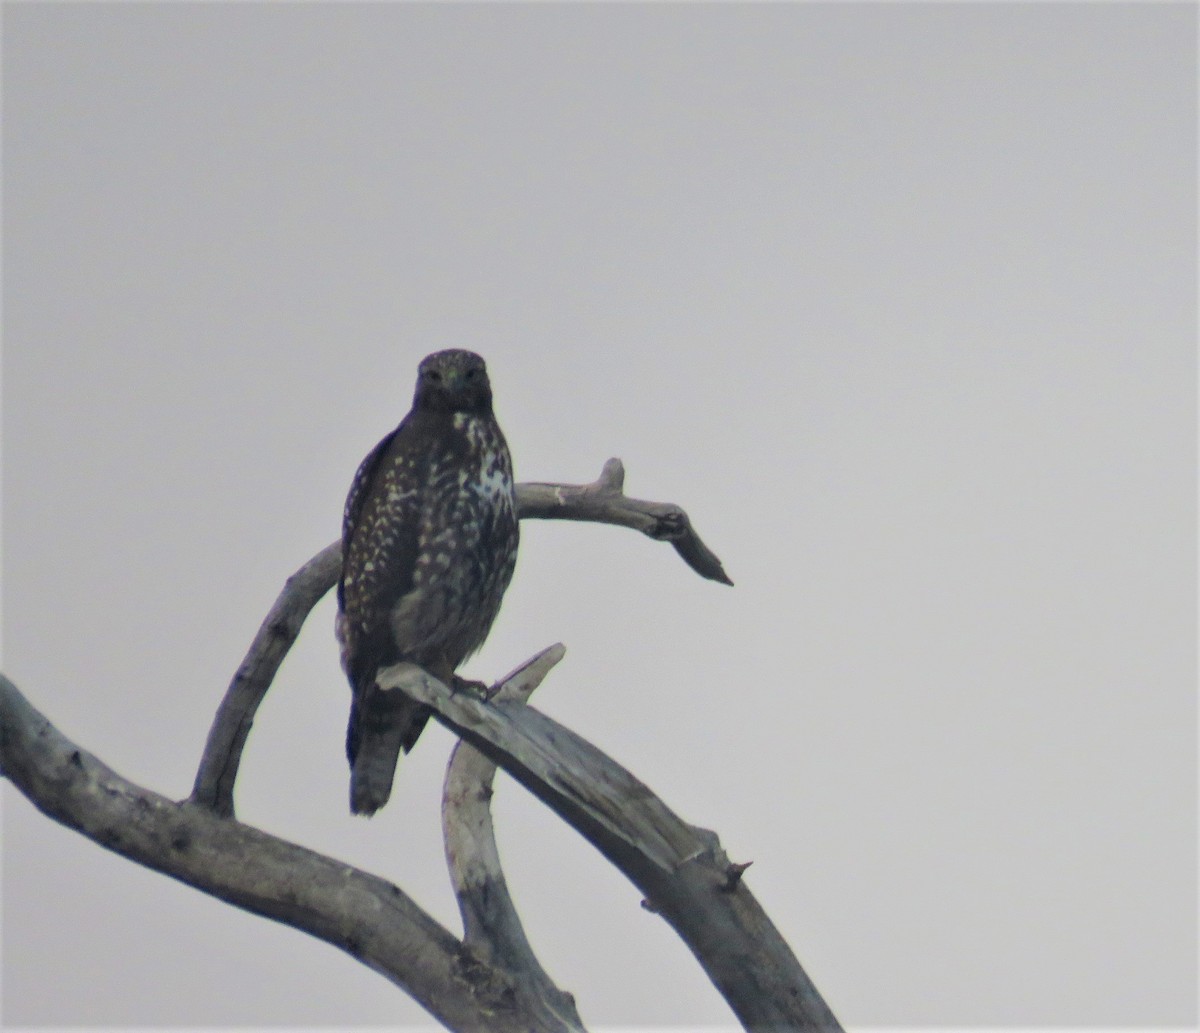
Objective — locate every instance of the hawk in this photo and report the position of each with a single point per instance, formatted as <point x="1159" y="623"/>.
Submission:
<point x="429" y="541"/>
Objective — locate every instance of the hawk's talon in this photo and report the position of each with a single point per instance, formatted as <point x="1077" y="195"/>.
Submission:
<point x="468" y="685"/>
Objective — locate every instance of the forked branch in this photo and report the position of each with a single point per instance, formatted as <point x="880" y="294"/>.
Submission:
<point x="682" y="870"/>
<point x="369" y="918"/>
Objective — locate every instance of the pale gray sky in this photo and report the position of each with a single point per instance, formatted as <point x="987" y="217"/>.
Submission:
<point x="898" y="301"/>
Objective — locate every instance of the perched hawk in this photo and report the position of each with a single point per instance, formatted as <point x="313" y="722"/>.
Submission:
<point x="429" y="540"/>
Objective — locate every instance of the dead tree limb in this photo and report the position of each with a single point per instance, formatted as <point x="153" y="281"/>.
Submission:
<point x="492" y="929"/>
<point x="222" y="755"/>
<point x="682" y="870"/>
<point x="602" y="501"/>
<point x="367" y="917"/>
<point x="490" y="979"/>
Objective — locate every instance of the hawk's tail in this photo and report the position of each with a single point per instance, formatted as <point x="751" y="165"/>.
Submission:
<point x="382" y="722"/>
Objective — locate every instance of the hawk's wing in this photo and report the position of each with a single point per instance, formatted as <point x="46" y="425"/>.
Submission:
<point x="364" y="476"/>
<point x="380" y="532"/>
<point x="383" y="503"/>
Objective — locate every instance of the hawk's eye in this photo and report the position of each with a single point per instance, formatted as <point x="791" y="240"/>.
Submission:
<point x="473" y="373"/>
<point x="433" y="376"/>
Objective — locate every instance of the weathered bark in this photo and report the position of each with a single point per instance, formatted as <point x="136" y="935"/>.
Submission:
<point x="222" y="755"/>
<point x="682" y="870"/>
<point x="604" y="502"/>
<point x="368" y="917"/>
<point x="491" y="926"/>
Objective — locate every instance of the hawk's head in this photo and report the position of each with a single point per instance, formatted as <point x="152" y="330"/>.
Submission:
<point x="453" y="381"/>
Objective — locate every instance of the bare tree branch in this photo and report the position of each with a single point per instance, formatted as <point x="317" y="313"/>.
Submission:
<point x="218" y="771"/>
<point x="682" y="870"/>
<point x="369" y="918"/>
<point x="491" y="926"/>
<point x="602" y="501"/>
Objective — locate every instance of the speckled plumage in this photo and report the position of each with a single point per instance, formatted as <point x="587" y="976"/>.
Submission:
<point x="429" y="541"/>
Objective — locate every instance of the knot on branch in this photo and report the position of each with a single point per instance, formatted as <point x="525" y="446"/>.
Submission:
<point x="670" y="526"/>
<point x="733" y="875"/>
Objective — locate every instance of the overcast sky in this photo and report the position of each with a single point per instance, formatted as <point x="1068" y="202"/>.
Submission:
<point x="898" y="301"/>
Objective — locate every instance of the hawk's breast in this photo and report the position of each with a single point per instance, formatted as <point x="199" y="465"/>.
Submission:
<point x="466" y="542"/>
